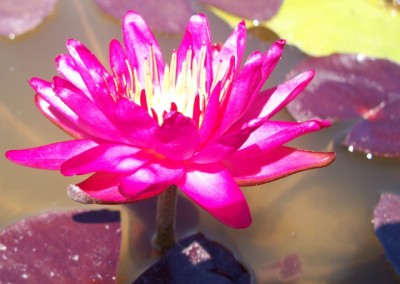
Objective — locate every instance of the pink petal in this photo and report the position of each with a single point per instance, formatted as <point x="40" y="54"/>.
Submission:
<point x="104" y="158"/>
<point x="218" y="149"/>
<point x="96" y="78"/>
<point x="233" y="47"/>
<point x="49" y="157"/>
<point x="276" y="164"/>
<point x="271" y="59"/>
<point x="212" y="187"/>
<point x="55" y="109"/>
<point x="91" y="118"/>
<point x="139" y="41"/>
<point x="118" y="64"/>
<point x="134" y="122"/>
<point x="151" y="179"/>
<point x="273" y="134"/>
<point x="177" y="138"/>
<point x="100" y="188"/>
<point x="211" y="113"/>
<point x="66" y="68"/>
<point x="269" y="102"/>
<point x="197" y="36"/>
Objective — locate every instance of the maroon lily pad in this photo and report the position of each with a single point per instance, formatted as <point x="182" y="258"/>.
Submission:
<point x="164" y="16"/>
<point x="387" y="227"/>
<point x="260" y="10"/>
<point x="20" y="16"/>
<point x="354" y="87"/>
<point x="62" y="247"/>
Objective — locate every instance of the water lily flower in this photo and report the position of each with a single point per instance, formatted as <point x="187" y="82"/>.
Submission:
<point x="200" y="122"/>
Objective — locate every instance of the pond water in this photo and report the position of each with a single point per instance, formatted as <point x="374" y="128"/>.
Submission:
<point x="323" y="215"/>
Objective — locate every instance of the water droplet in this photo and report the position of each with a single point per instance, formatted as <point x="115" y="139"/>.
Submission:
<point x="75" y="257"/>
<point x="107" y="227"/>
<point x="52" y="274"/>
<point x="3" y="247"/>
<point x="369" y="156"/>
<point x="11" y="36"/>
<point x="256" y="23"/>
<point x="360" y="57"/>
<point x="25" y="276"/>
<point x="351" y="148"/>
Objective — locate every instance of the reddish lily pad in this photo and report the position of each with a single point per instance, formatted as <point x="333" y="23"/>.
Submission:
<point x="387" y="227"/>
<point x="159" y="15"/>
<point x="358" y="88"/>
<point x="260" y="10"/>
<point x="62" y="247"/>
<point x="20" y="16"/>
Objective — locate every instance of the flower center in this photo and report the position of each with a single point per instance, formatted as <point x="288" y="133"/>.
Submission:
<point x="181" y="89"/>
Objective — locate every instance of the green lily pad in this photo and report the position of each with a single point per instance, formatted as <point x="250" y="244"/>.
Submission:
<point x="319" y="28"/>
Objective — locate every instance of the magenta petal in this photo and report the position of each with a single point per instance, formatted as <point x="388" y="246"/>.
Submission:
<point x="119" y="67"/>
<point x="196" y="38"/>
<point x="177" y="138"/>
<point x="49" y="157"/>
<point x="151" y="180"/>
<point x="269" y="102"/>
<point x="233" y="47"/>
<point x="91" y="118"/>
<point x="276" y="164"/>
<point x="218" y="149"/>
<point x="104" y="158"/>
<point x="212" y="187"/>
<point x="66" y="68"/>
<point x="100" y="188"/>
<point x="211" y="113"/>
<point x="55" y="109"/>
<point x="96" y="78"/>
<point x="248" y="82"/>
<point x="273" y="134"/>
<point x="134" y="122"/>
<point x="139" y="42"/>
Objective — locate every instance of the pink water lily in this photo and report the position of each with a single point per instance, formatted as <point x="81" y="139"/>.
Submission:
<point x="200" y="122"/>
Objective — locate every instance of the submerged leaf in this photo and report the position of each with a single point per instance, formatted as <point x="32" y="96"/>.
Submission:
<point x="160" y="15"/>
<point x="387" y="227"/>
<point x="62" y="247"/>
<point x="260" y="10"/>
<point x="20" y="16"/>
<point x="358" y="88"/>
<point x="196" y="260"/>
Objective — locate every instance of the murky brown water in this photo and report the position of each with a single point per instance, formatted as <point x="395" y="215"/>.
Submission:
<point x="323" y="215"/>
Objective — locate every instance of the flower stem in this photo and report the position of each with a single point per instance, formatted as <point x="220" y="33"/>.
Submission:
<point x="166" y="208"/>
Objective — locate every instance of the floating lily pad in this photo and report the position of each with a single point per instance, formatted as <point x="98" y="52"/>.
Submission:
<point x="62" y="247"/>
<point x="387" y="227"/>
<point x="196" y="260"/>
<point x="357" y="88"/>
<point x="321" y="28"/>
<point x="260" y="10"/>
<point x="159" y="15"/>
<point x="20" y="16"/>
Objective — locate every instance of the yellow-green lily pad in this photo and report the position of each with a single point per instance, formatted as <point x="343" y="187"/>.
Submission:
<point x="369" y="27"/>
